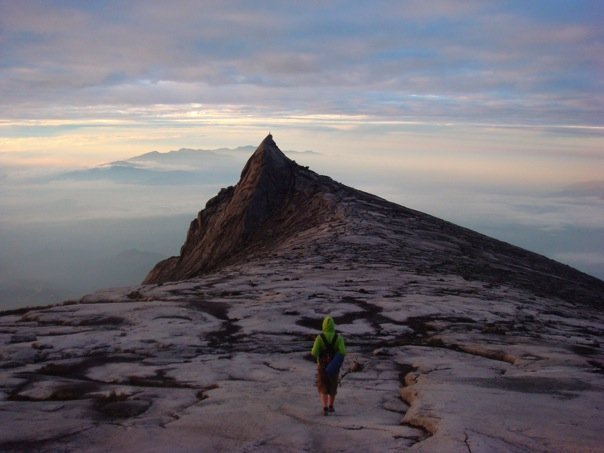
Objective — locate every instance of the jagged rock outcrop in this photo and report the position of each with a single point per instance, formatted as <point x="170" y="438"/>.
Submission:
<point x="281" y="207"/>
<point x="274" y="198"/>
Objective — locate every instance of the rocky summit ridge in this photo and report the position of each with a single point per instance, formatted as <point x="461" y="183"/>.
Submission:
<point x="279" y="206"/>
<point x="456" y="342"/>
<point x="275" y="198"/>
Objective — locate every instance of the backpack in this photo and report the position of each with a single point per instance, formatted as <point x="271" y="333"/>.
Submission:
<point x="330" y="350"/>
<point x="331" y="360"/>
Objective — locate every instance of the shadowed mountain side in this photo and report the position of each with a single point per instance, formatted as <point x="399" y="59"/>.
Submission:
<point x="274" y="199"/>
<point x="279" y="207"/>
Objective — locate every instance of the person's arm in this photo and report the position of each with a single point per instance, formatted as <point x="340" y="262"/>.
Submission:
<point x="317" y="348"/>
<point x="340" y="345"/>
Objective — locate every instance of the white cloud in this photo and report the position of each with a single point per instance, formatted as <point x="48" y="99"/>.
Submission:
<point x="466" y="61"/>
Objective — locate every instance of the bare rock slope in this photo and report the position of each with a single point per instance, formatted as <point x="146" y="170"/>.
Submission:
<point x="457" y="342"/>
<point x="277" y="203"/>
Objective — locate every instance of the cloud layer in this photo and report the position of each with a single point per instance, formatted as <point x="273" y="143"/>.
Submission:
<point x="490" y="112"/>
<point x="474" y="61"/>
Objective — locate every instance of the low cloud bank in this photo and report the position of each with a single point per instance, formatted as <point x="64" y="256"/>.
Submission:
<point x="73" y="232"/>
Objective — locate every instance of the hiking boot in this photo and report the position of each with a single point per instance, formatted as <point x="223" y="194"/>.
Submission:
<point x="331" y="409"/>
<point x="325" y="411"/>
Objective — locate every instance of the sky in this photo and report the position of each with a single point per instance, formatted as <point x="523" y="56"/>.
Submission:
<point x="486" y="113"/>
<point x="86" y="82"/>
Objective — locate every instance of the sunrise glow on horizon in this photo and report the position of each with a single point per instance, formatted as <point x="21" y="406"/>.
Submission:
<point x="83" y="83"/>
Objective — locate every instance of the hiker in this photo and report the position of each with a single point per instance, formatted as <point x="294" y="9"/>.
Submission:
<point x="328" y="350"/>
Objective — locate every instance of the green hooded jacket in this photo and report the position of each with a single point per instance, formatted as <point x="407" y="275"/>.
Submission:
<point x="329" y="329"/>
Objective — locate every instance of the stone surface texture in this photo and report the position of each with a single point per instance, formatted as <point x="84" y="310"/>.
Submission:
<point x="456" y="342"/>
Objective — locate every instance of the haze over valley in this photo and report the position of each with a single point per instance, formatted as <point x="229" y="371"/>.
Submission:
<point x="68" y="232"/>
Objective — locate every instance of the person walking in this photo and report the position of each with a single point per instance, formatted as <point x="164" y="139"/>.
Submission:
<point x="329" y="351"/>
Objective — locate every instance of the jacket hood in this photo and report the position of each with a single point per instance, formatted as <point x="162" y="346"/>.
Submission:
<point x="329" y="326"/>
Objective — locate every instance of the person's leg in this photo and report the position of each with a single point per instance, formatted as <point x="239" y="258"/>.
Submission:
<point x="324" y="399"/>
<point x="324" y="402"/>
<point x="331" y="400"/>
<point x="333" y="389"/>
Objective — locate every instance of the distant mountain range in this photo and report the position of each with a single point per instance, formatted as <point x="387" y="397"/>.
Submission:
<point x="182" y="167"/>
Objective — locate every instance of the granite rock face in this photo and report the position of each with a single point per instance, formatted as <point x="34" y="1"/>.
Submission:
<point x="276" y="201"/>
<point x="456" y="342"/>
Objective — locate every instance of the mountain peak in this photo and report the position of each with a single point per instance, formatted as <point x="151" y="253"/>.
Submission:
<point x="268" y="159"/>
<point x="244" y="218"/>
<point x="280" y="209"/>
